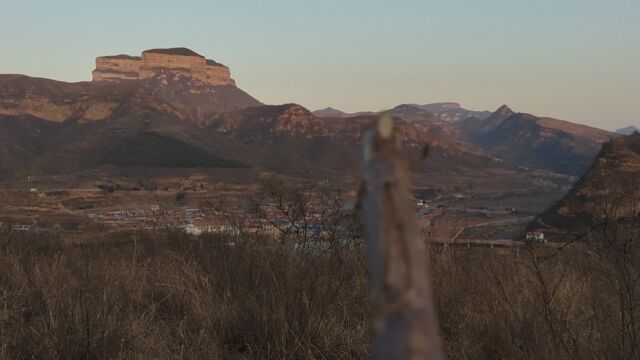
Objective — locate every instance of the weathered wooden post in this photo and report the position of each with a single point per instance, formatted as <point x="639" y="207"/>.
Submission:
<point x="405" y="323"/>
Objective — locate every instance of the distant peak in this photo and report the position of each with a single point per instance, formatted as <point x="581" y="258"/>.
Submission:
<point x="412" y="107"/>
<point x="289" y="108"/>
<point x="628" y="130"/>
<point x="504" y="110"/>
<point x="328" y="112"/>
<point x="292" y="106"/>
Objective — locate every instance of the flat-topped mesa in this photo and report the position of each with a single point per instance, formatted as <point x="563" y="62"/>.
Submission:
<point x="163" y="64"/>
<point x="173" y="63"/>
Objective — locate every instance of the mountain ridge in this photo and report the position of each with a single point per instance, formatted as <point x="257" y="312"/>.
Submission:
<point x="533" y="141"/>
<point x="173" y="99"/>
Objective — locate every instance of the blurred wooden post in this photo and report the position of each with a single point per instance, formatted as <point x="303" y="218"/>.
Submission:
<point x="405" y="322"/>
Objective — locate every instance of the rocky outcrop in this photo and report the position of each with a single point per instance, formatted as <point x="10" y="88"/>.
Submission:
<point x="164" y="65"/>
<point x="603" y="195"/>
<point x="117" y="67"/>
<point x="271" y="123"/>
<point x="217" y="73"/>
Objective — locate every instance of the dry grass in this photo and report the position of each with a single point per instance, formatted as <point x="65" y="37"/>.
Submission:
<point x="175" y="297"/>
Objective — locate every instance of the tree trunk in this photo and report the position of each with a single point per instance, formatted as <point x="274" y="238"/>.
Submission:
<point x="405" y="322"/>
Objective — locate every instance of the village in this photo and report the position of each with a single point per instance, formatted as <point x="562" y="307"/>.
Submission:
<point x="433" y="218"/>
<point x="196" y="206"/>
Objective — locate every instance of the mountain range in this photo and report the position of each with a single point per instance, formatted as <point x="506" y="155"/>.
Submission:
<point x="173" y="108"/>
<point x="522" y="139"/>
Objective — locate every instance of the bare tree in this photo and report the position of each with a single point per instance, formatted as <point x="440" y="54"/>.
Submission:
<point x="309" y="215"/>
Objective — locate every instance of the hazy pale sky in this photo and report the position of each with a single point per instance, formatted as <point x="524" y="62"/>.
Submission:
<point x="574" y="60"/>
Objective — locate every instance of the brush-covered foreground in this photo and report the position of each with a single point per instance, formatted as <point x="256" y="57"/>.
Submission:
<point x="169" y="296"/>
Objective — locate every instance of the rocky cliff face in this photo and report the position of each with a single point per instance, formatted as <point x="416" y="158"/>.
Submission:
<point x="163" y="64"/>
<point x="197" y="86"/>
<point x="117" y="67"/>
<point x="608" y="190"/>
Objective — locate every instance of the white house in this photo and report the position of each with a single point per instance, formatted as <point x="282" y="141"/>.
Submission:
<point x="21" y="227"/>
<point x="535" y="237"/>
<point x="199" y="227"/>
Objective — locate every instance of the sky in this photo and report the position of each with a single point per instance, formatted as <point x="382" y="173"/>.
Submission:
<point x="573" y="60"/>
